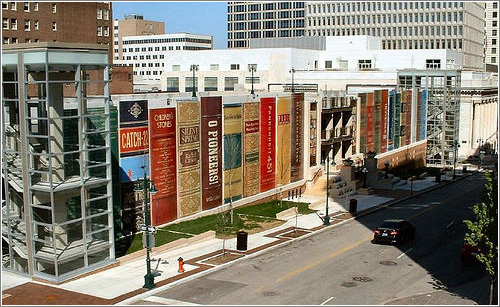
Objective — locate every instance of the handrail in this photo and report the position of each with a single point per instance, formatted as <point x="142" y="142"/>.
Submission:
<point x="310" y="180"/>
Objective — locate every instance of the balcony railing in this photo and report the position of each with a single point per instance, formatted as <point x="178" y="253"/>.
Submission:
<point x="336" y="133"/>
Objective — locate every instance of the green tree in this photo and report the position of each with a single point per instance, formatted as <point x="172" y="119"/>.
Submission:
<point x="483" y="230"/>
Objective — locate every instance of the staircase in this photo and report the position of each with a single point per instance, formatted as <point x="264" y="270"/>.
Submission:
<point x="337" y="187"/>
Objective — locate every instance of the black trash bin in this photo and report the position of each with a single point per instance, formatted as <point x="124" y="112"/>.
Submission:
<point x="353" y="204"/>
<point x="438" y="177"/>
<point x="464" y="169"/>
<point x="241" y="240"/>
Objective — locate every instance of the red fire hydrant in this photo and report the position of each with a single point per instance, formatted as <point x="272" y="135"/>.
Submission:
<point x="181" y="263"/>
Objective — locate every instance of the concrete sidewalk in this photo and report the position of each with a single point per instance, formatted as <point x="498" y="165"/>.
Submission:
<point x="123" y="284"/>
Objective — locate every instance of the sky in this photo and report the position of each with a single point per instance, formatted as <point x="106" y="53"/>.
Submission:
<point x="208" y="18"/>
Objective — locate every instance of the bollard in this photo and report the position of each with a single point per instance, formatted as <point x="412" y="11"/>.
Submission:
<point x="181" y="263"/>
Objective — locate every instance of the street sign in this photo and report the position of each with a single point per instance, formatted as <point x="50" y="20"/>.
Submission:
<point x="150" y="243"/>
<point x="150" y="229"/>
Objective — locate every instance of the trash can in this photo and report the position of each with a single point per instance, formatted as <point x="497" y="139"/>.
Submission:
<point x="353" y="204"/>
<point x="438" y="177"/>
<point x="241" y="240"/>
<point x="464" y="169"/>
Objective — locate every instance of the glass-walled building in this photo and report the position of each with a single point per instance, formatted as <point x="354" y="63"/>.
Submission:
<point x="57" y="218"/>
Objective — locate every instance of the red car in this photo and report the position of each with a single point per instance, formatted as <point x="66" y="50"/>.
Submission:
<point x="468" y="252"/>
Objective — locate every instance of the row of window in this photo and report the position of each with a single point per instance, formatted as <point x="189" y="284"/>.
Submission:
<point x="210" y="83"/>
<point x="167" y="40"/>
<point x="379" y="6"/>
<point x="265" y="6"/>
<point x="266" y="15"/>
<point x="264" y="34"/>
<point x="450" y="44"/>
<point x="102" y="31"/>
<point x="102" y="14"/>
<point x="15" y="40"/>
<point x="394" y="31"/>
<point x="386" y="18"/>
<point x="254" y="25"/>
<point x="12" y="24"/>
<point x="26" y="6"/>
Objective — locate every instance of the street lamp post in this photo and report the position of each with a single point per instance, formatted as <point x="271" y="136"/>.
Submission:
<point x="365" y="173"/>
<point x="252" y="68"/>
<point x="292" y="71"/>
<point x="326" y="220"/>
<point x="455" y="145"/>
<point x="194" y="68"/>
<point x="147" y="189"/>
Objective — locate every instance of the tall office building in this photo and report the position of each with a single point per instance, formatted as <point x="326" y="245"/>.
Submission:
<point x="401" y="25"/>
<point x="68" y="22"/>
<point x="491" y="19"/>
<point x="248" y="20"/>
<point x="133" y="25"/>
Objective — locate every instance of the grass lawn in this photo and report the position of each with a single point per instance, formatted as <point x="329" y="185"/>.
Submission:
<point x="244" y="218"/>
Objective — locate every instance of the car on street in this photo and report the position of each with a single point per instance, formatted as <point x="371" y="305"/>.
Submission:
<point x="394" y="231"/>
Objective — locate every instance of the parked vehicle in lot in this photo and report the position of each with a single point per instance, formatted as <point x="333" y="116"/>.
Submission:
<point x="394" y="231"/>
<point x="468" y="252"/>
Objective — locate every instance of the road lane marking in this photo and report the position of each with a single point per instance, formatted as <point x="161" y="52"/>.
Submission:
<point x="405" y="252"/>
<point x="337" y="253"/>
<point x="327" y="300"/>
<point x="166" y="301"/>
<point x="447" y="226"/>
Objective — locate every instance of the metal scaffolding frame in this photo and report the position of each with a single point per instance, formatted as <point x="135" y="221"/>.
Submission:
<point x="443" y="110"/>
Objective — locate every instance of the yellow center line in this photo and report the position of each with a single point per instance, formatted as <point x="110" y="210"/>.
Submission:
<point x="345" y="249"/>
<point x="311" y="265"/>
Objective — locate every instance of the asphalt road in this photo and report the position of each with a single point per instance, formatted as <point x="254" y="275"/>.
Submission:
<point x="340" y="266"/>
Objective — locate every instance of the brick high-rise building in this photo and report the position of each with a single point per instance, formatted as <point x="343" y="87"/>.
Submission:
<point x="133" y="25"/>
<point x="68" y="22"/>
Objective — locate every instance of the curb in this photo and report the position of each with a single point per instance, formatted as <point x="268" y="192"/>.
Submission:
<point x="219" y="267"/>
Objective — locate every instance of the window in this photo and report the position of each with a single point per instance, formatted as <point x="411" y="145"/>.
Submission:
<point x="14" y="40"/>
<point x="210" y="84"/>
<point x="54" y="26"/>
<point x="328" y="65"/>
<point x="364" y="64"/>
<point x="214" y="66"/>
<point x="13" y="24"/>
<point x="495" y="14"/>
<point x="5" y="40"/>
<point x="106" y="15"/>
<point x="5" y="6"/>
<point x="256" y="80"/>
<point x="13" y="6"/>
<point x="190" y="83"/>
<point x="26" y="6"/>
<point x="229" y="83"/>
<point x="36" y="25"/>
<point x="35" y="6"/>
<point x="99" y="14"/>
<point x="54" y="8"/>
<point x="493" y="59"/>
<point x="235" y="66"/>
<point x="27" y="25"/>
<point x="5" y="23"/>
<point x="433" y="64"/>
<point x="494" y="41"/>
<point x="106" y="31"/>
<point x="99" y="31"/>
<point x="176" y="67"/>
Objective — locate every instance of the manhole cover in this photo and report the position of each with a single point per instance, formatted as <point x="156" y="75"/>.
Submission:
<point x="349" y="284"/>
<point x="269" y="293"/>
<point x="388" y="262"/>
<point x="362" y="279"/>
